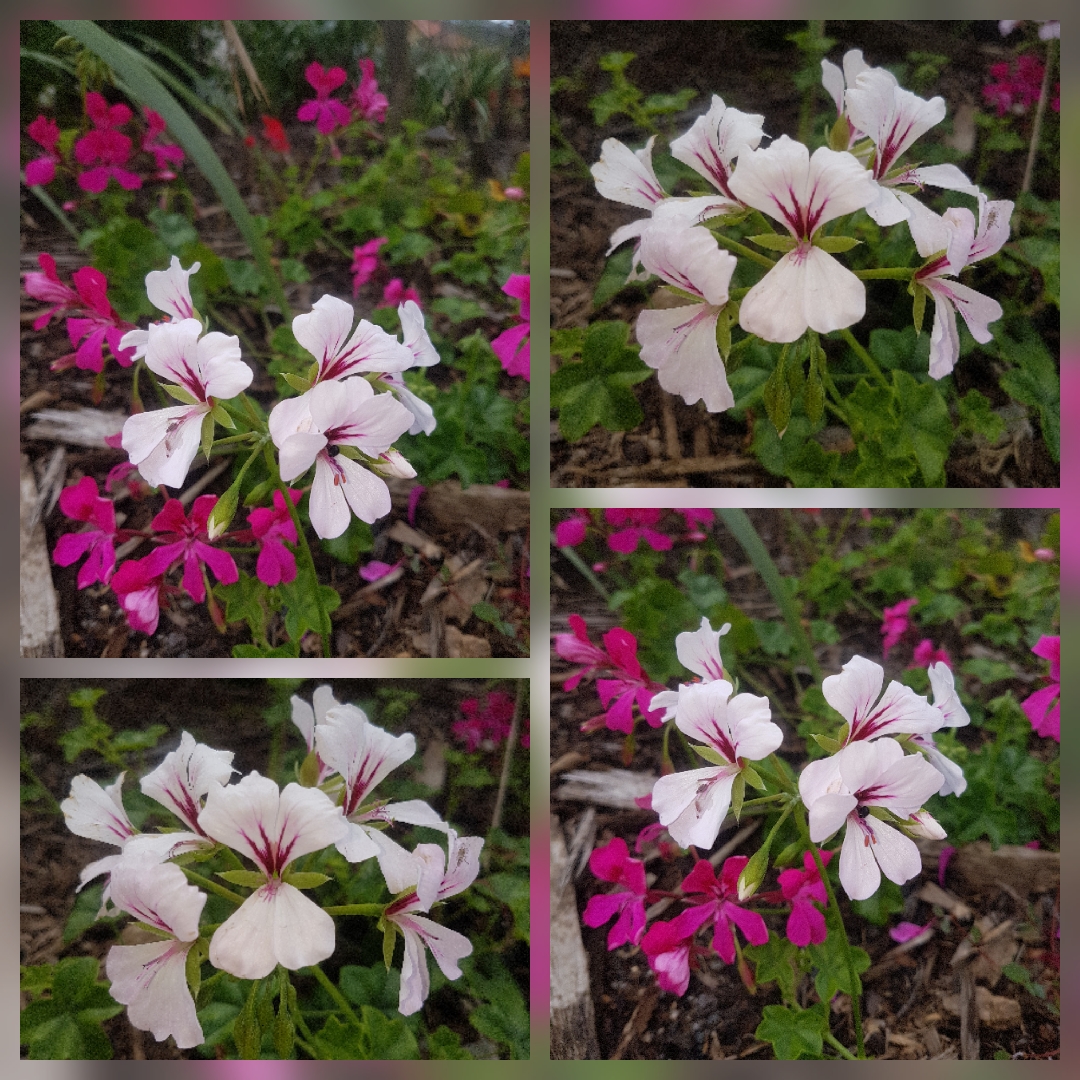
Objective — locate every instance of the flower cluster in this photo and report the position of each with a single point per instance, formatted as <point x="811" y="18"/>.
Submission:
<point x="271" y="827"/>
<point x="330" y="113"/>
<point x="630" y="526"/>
<point x="486" y="722"/>
<point x="103" y="152"/>
<point x="806" y="290"/>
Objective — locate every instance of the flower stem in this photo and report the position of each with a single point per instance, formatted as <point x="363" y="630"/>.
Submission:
<point x="838" y="1046"/>
<point x="888" y="273"/>
<point x="586" y="572"/>
<point x="339" y="998"/>
<point x="356" y="909"/>
<point x="863" y="355"/>
<point x="1040" y="111"/>
<point x="856" y="1008"/>
<point x="213" y="886"/>
<point x="511" y="743"/>
<point x="745" y="252"/>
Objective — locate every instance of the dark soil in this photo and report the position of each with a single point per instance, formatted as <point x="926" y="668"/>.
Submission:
<point x="488" y="533"/>
<point x="907" y="997"/>
<point x="226" y="714"/>
<point x="750" y="66"/>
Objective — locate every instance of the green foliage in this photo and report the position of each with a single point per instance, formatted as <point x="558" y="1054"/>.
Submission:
<point x="793" y="1032"/>
<point x="66" y="1025"/>
<point x="596" y="390"/>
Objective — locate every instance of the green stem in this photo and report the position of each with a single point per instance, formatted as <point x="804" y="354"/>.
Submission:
<point x="1040" y="111"/>
<point x="886" y="273"/>
<point x="766" y="799"/>
<point x="46" y="200"/>
<point x="838" y="1046"/>
<point x="743" y="250"/>
<point x="764" y="691"/>
<point x="213" y="886"/>
<point x="586" y="571"/>
<point x="863" y="355"/>
<point x="339" y="998"/>
<point x="856" y="1008"/>
<point x="742" y="528"/>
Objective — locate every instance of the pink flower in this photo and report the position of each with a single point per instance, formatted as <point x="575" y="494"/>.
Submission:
<point x="925" y="654"/>
<point x="365" y="262"/>
<point x="166" y="155"/>
<point x="639" y="524"/>
<point x="81" y="502"/>
<point x="416" y="493"/>
<point x="367" y="100"/>
<point x="190" y="543"/>
<point x="1043" y="708"/>
<point x="514" y="194"/>
<point x="905" y="931"/>
<point x="395" y="292"/>
<point x="45" y="132"/>
<point x="327" y="112"/>
<point x="512" y="346"/>
<point x="696" y="522"/>
<point x="947" y="852"/>
<point x="489" y="721"/>
<point x="806" y="924"/>
<point x="46" y="285"/>
<point x="105" y="147"/>
<point x="627" y="904"/>
<point x="578" y="649"/>
<point x="720" y="900"/>
<point x="1017" y="85"/>
<point x="276" y="564"/>
<point x="667" y="946"/>
<point x="895" y="624"/>
<point x="375" y="570"/>
<point x="139" y="593"/>
<point x="629" y="685"/>
<point x="571" y="532"/>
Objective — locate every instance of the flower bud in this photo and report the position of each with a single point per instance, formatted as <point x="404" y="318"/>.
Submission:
<point x="222" y="514"/>
<point x="393" y="464"/>
<point x="753" y="873"/>
<point x="923" y="825"/>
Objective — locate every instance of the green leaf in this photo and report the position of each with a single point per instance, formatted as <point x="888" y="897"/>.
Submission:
<point x="830" y="746"/>
<point x="832" y="974"/>
<point x="73" y="981"/>
<point x="775" y="637"/>
<point x="775" y="961"/>
<point x="355" y="541"/>
<point x="386" y="1039"/>
<point x="249" y="879"/>
<point x="977" y="417"/>
<point x="457" y="309"/>
<point x="445" y="1045"/>
<point x="512" y="889"/>
<point x="614" y="278"/>
<point x="713" y="757"/>
<point x="988" y="671"/>
<point x="179" y="393"/>
<point x="738" y="793"/>
<point x="928" y="428"/>
<point x="794" y="1033"/>
<point x="248" y="600"/>
<point x="302" y="606"/>
<point x="1037" y="383"/>
<point x="306" y="880"/>
<point x="246" y="1031"/>
<point x="814" y="394"/>
<point x="84" y="914"/>
<point x="244" y="276"/>
<point x="883" y="905"/>
<point x="337" y="1041"/>
<point x="371" y="985"/>
<point x="300" y="385"/>
<point x="777" y="396"/>
<point x="918" y="307"/>
<point x="774" y="241"/>
<point x="207" y="438"/>
<point x="596" y="390"/>
<point x="506" y="1024"/>
<point x="750" y="774"/>
<point x="836" y="244"/>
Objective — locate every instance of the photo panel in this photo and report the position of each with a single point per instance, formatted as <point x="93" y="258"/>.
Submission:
<point x="805" y="783"/>
<point x="286" y="868"/>
<point x="274" y="338"/>
<point x="805" y="254"/>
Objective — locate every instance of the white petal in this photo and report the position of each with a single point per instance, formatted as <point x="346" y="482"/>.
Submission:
<point x="703" y="715"/>
<point x="994" y="219"/>
<point x="906" y="785"/>
<point x="169" y="290"/>
<point x="715" y="140"/>
<point x="413" y="812"/>
<point x="853" y="692"/>
<point x="185" y="775"/>
<point x="930" y="231"/>
<point x="415" y="981"/>
<point x="366" y="493"/>
<point x="276" y="924"/>
<point x="700" y="650"/>
<point x="668" y="700"/>
<point x="859" y="873"/>
<point x="948" y="177"/>
<point x="832" y="78"/>
<point x="896" y="854"/>
<point x="627" y="176"/>
<point x="422" y="413"/>
<point x="978" y="310"/>
<point x="172" y="351"/>
<point x="324" y="330"/>
<point x="447" y="946"/>
<point x="828" y="813"/>
<point x="224" y="374"/>
<point x="358" y="843"/>
<point x="690" y="259"/>
<point x="327" y="508"/>
<point x="163" y="444"/>
<point x="414" y="335"/>
<point x="680" y="344"/>
<point x="298" y="452"/>
<point x="97" y="813"/>
<point x="289" y="417"/>
<point x="892" y="117"/>
<point x="944" y="337"/>
<point x="159" y="895"/>
<point x="753" y="734"/>
<point x="820" y="777"/>
<point x="692" y="805"/>
<point x="151" y="980"/>
<point x="462" y="864"/>
<point x="946" y="700"/>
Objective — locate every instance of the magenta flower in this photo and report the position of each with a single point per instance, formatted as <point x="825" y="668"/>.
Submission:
<point x="578" y="649"/>
<point x="806" y="924"/>
<point x="365" y="263"/>
<point x="395" y="292"/>
<point x="946" y="854"/>
<point x="167" y="156"/>
<point x="139" y="592"/>
<point x="895" y="623"/>
<point x="629" y="685"/>
<point x="45" y="132"/>
<point x="925" y="654"/>
<point x="81" y="502"/>
<point x="46" y="285"/>
<point x="416" y="493"/>
<point x="189" y="541"/>
<point x="639" y="527"/>
<point x="905" y="931"/>
<point x="1043" y="708"/>
<point x="105" y="147"/>
<point x="327" y="112"/>
<point x="719" y="898"/>
<point x="376" y="570"/>
<point x="667" y="946"/>
<point x="489" y="721"/>
<point x="512" y="346"/>
<point x="627" y="903"/>
<point x="1017" y="84"/>
<point x="571" y="532"/>
<point x="696" y="521"/>
<point x="276" y="564"/>
<point x="367" y="100"/>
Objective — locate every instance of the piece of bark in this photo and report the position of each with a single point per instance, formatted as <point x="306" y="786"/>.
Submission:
<point x="1027" y="870"/>
<point x="617" y="788"/>
<point x="573" y="1018"/>
<point x="76" y="427"/>
<point x="459" y="645"/>
<point x="496" y="509"/>
<point x="934" y="894"/>
<point x="991" y="1009"/>
<point x="39" y="613"/>
<point x="969" y="1018"/>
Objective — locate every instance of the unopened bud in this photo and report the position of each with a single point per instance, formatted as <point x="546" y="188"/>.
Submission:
<point x="753" y="873"/>
<point x="393" y="464"/>
<point x="924" y="825"/>
<point x="222" y="514"/>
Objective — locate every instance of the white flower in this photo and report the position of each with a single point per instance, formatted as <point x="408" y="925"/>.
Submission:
<point x="807" y="287"/>
<point x="715" y="140"/>
<point x="835" y="81"/>
<point x="97" y="813"/>
<point x="447" y="946"/>
<point x="164" y="443"/>
<point x="185" y="775"/>
<point x="151" y="979"/>
<point x="169" y="291"/>
<point x="626" y="175"/>
<point x="680" y="342"/>
<point x="699" y="651"/>
<point x="953" y="239"/>
<point x="692" y="805"/>
<point x="309" y="429"/>
<point x="324" y="332"/>
<point x="843" y="788"/>
<point x="276" y="924"/>
<point x="854" y="694"/>
<point x="953" y="714"/>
